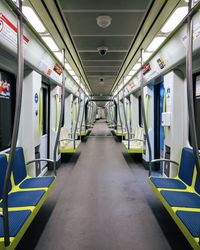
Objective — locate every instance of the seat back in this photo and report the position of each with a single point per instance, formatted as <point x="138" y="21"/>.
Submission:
<point x="3" y="168"/>
<point x="186" y="169"/>
<point x="141" y="136"/>
<point x="197" y="184"/>
<point x="19" y="166"/>
<point x="136" y="133"/>
<point x="63" y="135"/>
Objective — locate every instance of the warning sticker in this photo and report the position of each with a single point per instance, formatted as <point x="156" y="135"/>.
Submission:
<point x="8" y="32"/>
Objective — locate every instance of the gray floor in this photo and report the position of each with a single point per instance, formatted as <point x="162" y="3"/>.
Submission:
<point x="102" y="201"/>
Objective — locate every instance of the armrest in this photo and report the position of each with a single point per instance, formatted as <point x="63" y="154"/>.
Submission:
<point x="137" y="140"/>
<point x="67" y="139"/>
<point x="164" y="160"/>
<point x="39" y="160"/>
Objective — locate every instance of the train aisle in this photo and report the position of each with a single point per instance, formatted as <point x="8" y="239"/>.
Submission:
<point x="102" y="202"/>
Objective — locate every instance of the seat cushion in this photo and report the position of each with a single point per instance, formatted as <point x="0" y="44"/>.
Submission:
<point x="191" y="220"/>
<point x="24" y="198"/>
<point x="181" y="199"/>
<point x="16" y="221"/>
<point x="38" y="182"/>
<point x="167" y="183"/>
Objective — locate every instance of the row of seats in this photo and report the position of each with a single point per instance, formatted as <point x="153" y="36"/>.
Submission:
<point x="66" y="142"/>
<point x="136" y="142"/>
<point x="181" y="197"/>
<point x="26" y="196"/>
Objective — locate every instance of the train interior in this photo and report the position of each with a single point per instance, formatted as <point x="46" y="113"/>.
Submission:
<point x="99" y="124"/>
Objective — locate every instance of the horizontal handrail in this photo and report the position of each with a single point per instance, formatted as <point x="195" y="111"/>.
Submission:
<point x="67" y="139"/>
<point x="39" y="160"/>
<point x="164" y="160"/>
<point x="137" y="139"/>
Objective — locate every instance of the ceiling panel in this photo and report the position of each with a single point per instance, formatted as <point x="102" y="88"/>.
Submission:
<point x="85" y="24"/>
<point x="102" y="63"/>
<point x="92" y="42"/>
<point x="108" y="56"/>
<point x="104" y="4"/>
<point x="101" y="74"/>
<point x="80" y="17"/>
<point x="101" y="104"/>
<point x="102" y="69"/>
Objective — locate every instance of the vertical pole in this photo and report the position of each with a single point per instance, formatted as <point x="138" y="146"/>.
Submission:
<point x="19" y="89"/>
<point x="143" y="113"/>
<point x="192" y="124"/>
<point x="82" y="114"/>
<point x="120" y="118"/>
<point x="76" y="125"/>
<point x="125" y="117"/>
<point x="61" y="115"/>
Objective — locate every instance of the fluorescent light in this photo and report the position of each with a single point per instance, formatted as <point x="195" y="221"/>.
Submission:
<point x="127" y="78"/>
<point x="175" y="19"/>
<point x="67" y="66"/>
<point x="188" y="1"/>
<point x="136" y="66"/>
<point x="50" y="43"/>
<point x="145" y="56"/>
<point x="76" y="78"/>
<point x="72" y="73"/>
<point x="59" y="55"/>
<point x="157" y="41"/>
<point x="33" y="19"/>
<point x="132" y="72"/>
<point x="16" y="1"/>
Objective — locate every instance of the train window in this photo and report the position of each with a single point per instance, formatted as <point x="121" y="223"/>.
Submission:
<point x="140" y="112"/>
<point x="7" y="108"/>
<point x="197" y="107"/>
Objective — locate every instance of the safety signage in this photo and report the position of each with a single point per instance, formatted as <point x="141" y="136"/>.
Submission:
<point x="8" y="32"/>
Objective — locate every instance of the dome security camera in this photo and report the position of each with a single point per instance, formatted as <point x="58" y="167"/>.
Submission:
<point x="101" y="80"/>
<point x="102" y="50"/>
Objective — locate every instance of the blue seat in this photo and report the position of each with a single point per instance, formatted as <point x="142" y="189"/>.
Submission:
<point x="3" y="168"/>
<point x="185" y="174"/>
<point x="40" y="182"/>
<point x="191" y="220"/>
<point x="181" y="199"/>
<point x="24" y="198"/>
<point x="20" y="174"/>
<point x="167" y="183"/>
<point x="16" y="221"/>
<point x="19" y="198"/>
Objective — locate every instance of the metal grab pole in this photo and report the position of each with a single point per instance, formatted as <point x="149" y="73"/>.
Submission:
<point x="109" y="110"/>
<point x="143" y="113"/>
<point x="125" y="117"/>
<point x="82" y="114"/>
<point x="120" y="118"/>
<point x="192" y="123"/>
<point x="61" y="116"/>
<point x="88" y="113"/>
<point x="19" y="89"/>
<point x="92" y="111"/>
<point x="76" y="125"/>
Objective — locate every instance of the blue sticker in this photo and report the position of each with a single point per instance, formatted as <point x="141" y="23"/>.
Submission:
<point x="36" y="98"/>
